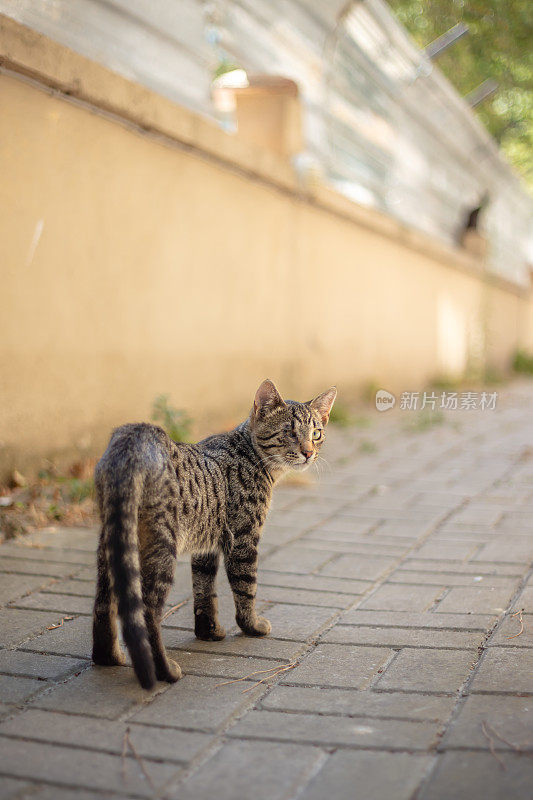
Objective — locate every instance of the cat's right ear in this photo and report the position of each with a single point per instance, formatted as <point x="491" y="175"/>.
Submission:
<point x="267" y="399"/>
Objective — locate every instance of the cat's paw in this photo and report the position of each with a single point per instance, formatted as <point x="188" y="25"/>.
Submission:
<point x="212" y="634"/>
<point x="259" y="626"/>
<point x="115" y="658"/>
<point x="207" y="628"/>
<point x="170" y="673"/>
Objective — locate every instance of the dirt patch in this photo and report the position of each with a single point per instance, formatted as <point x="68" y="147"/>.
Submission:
<point x="26" y="506"/>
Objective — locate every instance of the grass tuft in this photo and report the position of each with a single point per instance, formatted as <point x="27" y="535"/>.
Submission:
<point x="174" y="421"/>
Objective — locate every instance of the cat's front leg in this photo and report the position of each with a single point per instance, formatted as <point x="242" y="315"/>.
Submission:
<point x="241" y="568"/>
<point x="204" y="575"/>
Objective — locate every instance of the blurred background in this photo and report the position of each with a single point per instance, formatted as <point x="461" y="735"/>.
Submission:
<point x="197" y="195"/>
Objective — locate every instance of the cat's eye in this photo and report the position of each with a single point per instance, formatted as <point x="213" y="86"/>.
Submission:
<point x="317" y="434"/>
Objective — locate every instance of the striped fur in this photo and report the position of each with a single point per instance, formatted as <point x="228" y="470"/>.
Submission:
<point x="158" y="498"/>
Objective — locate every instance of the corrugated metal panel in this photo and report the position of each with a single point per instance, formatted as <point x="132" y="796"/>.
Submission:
<point x="386" y="127"/>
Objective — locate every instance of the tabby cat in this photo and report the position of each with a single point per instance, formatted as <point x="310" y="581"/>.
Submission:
<point x="158" y="498"/>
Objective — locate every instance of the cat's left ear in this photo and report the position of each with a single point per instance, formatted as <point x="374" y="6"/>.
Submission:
<point x="324" y="403"/>
<point x="267" y="399"/>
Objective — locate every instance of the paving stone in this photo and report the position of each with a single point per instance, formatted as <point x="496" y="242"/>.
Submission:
<point x="518" y="551"/>
<point x="237" y="644"/>
<point x="504" y="669"/>
<point x="456" y="551"/>
<point x="277" y="534"/>
<point x="399" y="597"/>
<point x="452" y="579"/>
<point x="297" y="559"/>
<point x="23" y="550"/>
<point x="413" y="528"/>
<point x="15" y="689"/>
<point x="429" y="516"/>
<point x="37" y="665"/>
<point x="428" y="670"/>
<point x="73" y="638"/>
<point x="380" y="776"/>
<point x="197" y="703"/>
<point x="15" y="586"/>
<point x="182" y="573"/>
<point x="60" y="603"/>
<point x="505" y="495"/>
<point x="521" y="514"/>
<point x="269" y="769"/>
<point x="403" y="637"/>
<point x="299" y="518"/>
<point x="221" y="665"/>
<point x="525" y="600"/>
<point x="363" y="567"/>
<point x="316" y="583"/>
<point x="508" y="632"/>
<point x="55" y="792"/>
<point x="389" y="499"/>
<point x="479" y="513"/>
<point x="461" y="533"/>
<point x="408" y="619"/>
<point x="335" y="731"/>
<point x="471" y="568"/>
<point x="345" y="527"/>
<point x="510" y="717"/>
<point x="402" y="542"/>
<point x="83" y="574"/>
<point x="297" y="622"/>
<point x="286" y="497"/>
<point x="337" y="665"/>
<point x="373" y="547"/>
<point x="11" y="788"/>
<point x="440" y="499"/>
<point x="47" y="569"/>
<point x="17" y="625"/>
<point x="276" y="594"/>
<point x="72" y="538"/>
<point x="465" y="775"/>
<point x="476" y="599"/>
<point x="84" y="768"/>
<point x="351" y="702"/>
<point x="98" y="692"/>
<point x="105" y="735"/>
<point x="70" y="586"/>
<point x="341" y="529"/>
<point x="183" y="617"/>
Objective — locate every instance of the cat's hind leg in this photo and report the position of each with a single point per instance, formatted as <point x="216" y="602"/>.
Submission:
<point x="158" y="561"/>
<point x="204" y="574"/>
<point x="106" y="648"/>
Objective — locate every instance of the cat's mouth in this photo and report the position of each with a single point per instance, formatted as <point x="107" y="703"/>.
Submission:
<point x="301" y="466"/>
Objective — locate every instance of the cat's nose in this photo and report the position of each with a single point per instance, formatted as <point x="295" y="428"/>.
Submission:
<point x="307" y="450"/>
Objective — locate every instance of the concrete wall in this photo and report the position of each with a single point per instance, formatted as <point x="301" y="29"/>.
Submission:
<point x="180" y="260"/>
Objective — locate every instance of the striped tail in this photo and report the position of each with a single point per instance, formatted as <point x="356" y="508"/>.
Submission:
<point x="120" y="513"/>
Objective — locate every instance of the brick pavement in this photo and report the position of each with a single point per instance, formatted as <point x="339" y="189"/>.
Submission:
<point x="390" y="583"/>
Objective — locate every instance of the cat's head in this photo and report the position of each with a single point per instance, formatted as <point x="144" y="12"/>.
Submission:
<point x="289" y="434"/>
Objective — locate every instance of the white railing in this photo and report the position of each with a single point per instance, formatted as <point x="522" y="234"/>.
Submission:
<point x="381" y="122"/>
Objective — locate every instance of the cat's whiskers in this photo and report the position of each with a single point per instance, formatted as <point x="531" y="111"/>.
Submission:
<point x="322" y="461"/>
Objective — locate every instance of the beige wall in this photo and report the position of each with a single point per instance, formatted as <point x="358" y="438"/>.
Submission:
<point x="161" y="268"/>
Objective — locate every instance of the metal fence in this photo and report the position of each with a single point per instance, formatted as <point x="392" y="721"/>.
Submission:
<point x="381" y="122"/>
